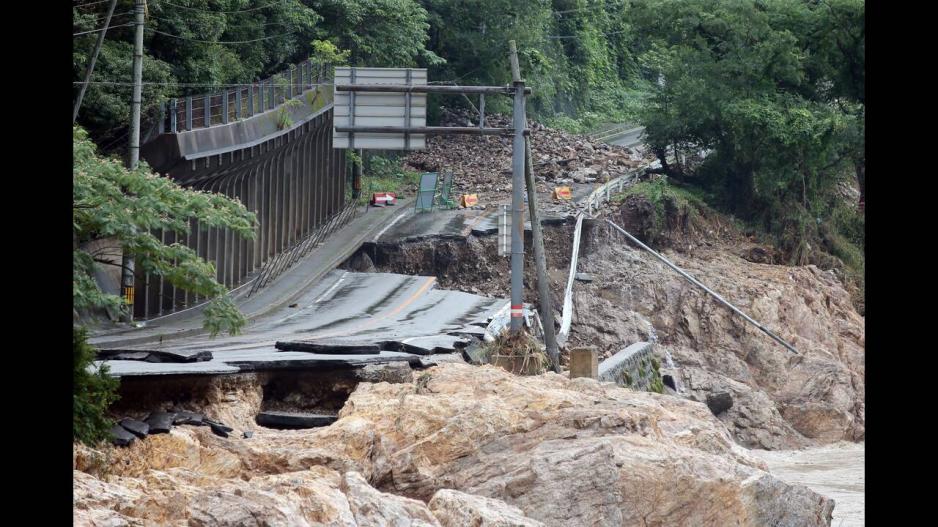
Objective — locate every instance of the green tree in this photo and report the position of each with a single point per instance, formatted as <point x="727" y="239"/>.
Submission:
<point x="93" y="391"/>
<point x="378" y="33"/>
<point x="773" y="88"/>
<point x="128" y="206"/>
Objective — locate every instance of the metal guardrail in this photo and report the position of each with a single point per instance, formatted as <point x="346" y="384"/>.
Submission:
<point x="221" y="108"/>
<point x="287" y="258"/>
<point x="597" y="197"/>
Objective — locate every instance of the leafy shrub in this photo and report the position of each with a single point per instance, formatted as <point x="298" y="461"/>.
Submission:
<point x="93" y="392"/>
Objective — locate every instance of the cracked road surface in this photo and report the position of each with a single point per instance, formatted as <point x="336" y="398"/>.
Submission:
<point x="343" y="307"/>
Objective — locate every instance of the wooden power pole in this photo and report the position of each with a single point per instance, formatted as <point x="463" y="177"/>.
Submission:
<point x="540" y="263"/>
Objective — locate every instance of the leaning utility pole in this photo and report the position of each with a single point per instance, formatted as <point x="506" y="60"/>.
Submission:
<point x="127" y="262"/>
<point x="94" y="58"/>
<point x="540" y="260"/>
<point x="517" y="189"/>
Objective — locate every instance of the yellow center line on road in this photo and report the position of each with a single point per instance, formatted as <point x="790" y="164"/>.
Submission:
<point x="410" y="300"/>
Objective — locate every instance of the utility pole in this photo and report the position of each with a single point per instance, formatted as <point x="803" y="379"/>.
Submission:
<point x="543" y="291"/>
<point x="94" y="58"/>
<point x="517" y="189"/>
<point x="127" y="262"/>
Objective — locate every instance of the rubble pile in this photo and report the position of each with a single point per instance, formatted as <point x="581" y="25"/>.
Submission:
<point x="482" y="164"/>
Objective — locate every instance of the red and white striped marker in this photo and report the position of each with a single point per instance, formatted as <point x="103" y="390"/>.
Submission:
<point x="517" y="310"/>
<point x="383" y="198"/>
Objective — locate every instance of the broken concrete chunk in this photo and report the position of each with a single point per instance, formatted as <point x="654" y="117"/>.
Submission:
<point x="160" y="422"/>
<point x="137" y="428"/>
<point x="217" y="425"/>
<point x="293" y="420"/>
<point x="120" y="436"/>
<point x="220" y="430"/>
<point x="719" y="402"/>
<point x="184" y="417"/>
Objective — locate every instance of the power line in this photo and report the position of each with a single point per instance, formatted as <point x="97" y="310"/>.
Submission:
<point x="554" y="37"/>
<point x="227" y="26"/>
<point x="218" y="12"/>
<point x="89" y="4"/>
<point x="589" y="8"/>
<point x="217" y="41"/>
<point x="102" y="29"/>
<point x="104" y="15"/>
<point x="194" y="84"/>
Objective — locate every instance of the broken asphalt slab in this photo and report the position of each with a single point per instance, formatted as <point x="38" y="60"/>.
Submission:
<point x="152" y="355"/>
<point x="293" y="420"/>
<point x="160" y="422"/>
<point x="330" y="346"/>
<point x="120" y="436"/>
<point x="137" y="428"/>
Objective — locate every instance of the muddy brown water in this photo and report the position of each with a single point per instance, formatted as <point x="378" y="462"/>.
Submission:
<point x="836" y="471"/>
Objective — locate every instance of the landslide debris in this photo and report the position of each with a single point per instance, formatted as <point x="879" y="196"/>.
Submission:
<point x="457" y="442"/>
<point x="482" y="164"/>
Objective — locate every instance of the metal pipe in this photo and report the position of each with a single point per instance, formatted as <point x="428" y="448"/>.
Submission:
<point x="705" y="288"/>
<point x="424" y="88"/>
<point x="428" y="130"/>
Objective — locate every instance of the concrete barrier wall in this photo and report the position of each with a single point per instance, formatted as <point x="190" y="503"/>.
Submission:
<point x="634" y="367"/>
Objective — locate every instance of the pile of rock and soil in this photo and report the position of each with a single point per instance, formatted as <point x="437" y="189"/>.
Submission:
<point x="455" y="445"/>
<point x="482" y="164"/>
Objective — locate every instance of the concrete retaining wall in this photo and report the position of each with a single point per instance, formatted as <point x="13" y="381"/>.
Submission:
<point x="633" y="367"/>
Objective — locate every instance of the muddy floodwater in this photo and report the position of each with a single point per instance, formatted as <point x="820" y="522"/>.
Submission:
<point x="835" y="471"/>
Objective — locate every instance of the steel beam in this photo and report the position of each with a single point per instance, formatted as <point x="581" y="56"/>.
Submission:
<point x="427" y="88"/>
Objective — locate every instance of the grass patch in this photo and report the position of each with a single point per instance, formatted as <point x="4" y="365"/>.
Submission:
<point x="385" y="174"/>
<point x="668" y="201"/>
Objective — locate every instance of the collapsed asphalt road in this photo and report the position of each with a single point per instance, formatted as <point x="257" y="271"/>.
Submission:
<point x="362" y="317"/>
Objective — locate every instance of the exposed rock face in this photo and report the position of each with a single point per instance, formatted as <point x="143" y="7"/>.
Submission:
<point x="780" y="400"/>
<point x="458" y="509"/>
<point x="562" y="452"/>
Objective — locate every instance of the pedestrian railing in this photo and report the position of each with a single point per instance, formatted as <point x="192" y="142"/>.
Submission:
<point x="241" y="101"/>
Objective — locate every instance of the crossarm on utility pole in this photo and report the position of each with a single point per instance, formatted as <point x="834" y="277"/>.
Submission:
<point x="705" y="288"/>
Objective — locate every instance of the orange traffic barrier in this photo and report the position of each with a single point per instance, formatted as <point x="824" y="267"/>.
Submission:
<point x="469" y="200"/>
<point x="562" y="193"/>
